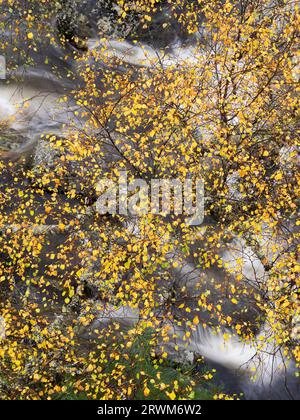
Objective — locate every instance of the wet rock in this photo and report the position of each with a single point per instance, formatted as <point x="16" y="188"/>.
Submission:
<point x="289" y="157"/>
<point x="46" y="155"/>
<point x="16" y="148"/>
<point x="105" y="315"/>
<point x="108" y="22"/>
<point x="78" y="20"/>
<point x="11" y="139"/>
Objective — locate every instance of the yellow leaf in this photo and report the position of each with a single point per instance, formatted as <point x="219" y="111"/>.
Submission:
<point x="90" y="368"/>
<point x="171" y="395"/>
